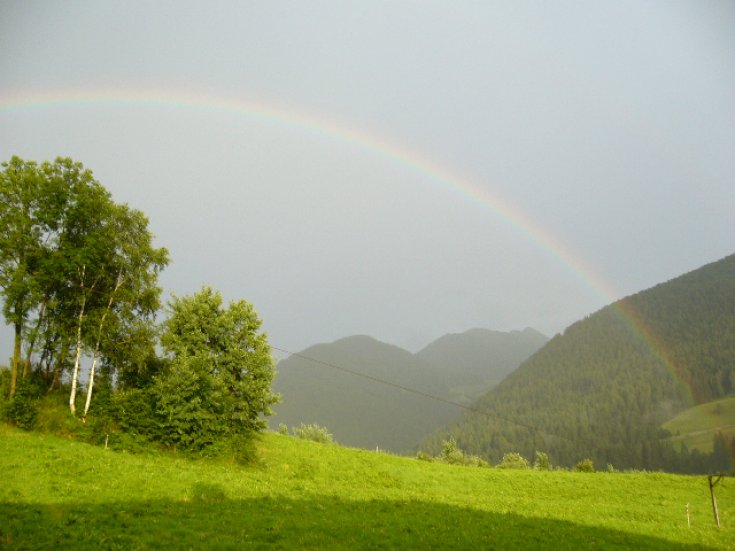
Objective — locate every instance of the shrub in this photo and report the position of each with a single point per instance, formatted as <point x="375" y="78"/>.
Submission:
<point x="283" y="429"/>
<point x="585" y="466"/>
<point x="134" y="411"/>
<point x="423" y="456"/>
<point x="542" y="462"/>
<point x="453" y="455"/>
<point x="513" y="460"/>
<point x="22" y="409"/>
<point x="4" y="383"/>
<point x="314" y="432"/>
<point x="475" y="461"/>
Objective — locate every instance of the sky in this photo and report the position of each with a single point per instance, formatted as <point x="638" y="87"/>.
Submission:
<point x="396" y="169"/>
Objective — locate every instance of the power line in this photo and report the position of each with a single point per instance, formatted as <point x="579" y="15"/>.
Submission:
<point x="465" y="407"/>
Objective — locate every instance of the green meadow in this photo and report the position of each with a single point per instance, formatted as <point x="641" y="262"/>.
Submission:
<point x="62" y="494"/>
<point x="697" y="426"/>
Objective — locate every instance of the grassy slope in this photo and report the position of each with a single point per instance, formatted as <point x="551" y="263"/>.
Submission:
<point x="697" y="426"/>
<point x="62" y="494"/>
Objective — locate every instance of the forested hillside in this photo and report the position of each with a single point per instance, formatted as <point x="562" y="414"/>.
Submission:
<point x="364" y="412"/>
<point x="479" y="359"/>
<point x="604" y="387"/>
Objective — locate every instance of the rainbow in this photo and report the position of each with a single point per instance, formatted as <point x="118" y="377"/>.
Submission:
<point x="382" y="147"/>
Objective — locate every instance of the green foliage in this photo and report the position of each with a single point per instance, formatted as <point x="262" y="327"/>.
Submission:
<point x="542" y="462"/>
<point x="513" y="460"/>
<point x="217" y="382"/>
<point x="190" y="405"/>
<point x="54" y="416"/>
<point x="314" y="432"/>
<point x="22" y="410"/>
<point x="453" y="455"/>
<point x="283" y="429"/>
<point x="585" y="466"/>
<point x="78" y="272"/>
<point x="134" y="411"/>
<point x="4" y="383"/>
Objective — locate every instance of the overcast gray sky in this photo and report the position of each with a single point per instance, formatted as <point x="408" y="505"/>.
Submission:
<point x="396" y="169"/>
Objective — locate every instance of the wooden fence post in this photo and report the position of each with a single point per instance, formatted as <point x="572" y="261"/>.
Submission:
<point x="712" y="493"/>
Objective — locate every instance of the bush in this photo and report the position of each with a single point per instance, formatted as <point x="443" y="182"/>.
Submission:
<point x="423" y="456"/>
<point x="585" y="466"/>
<point x="513" y="460"/>
<point x="134" y="411"/>
<point x="4" y="383"/>
<point x="475" y="461"/>
<point x="542" y="462"/>
<point x="314" y="432"/>
<point x="452" y="455"/>
<point x="283" y="429"/>
<point x="22" y="409"/>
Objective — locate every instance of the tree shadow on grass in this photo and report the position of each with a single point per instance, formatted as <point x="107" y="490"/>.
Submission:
<point x="207" y="519"/>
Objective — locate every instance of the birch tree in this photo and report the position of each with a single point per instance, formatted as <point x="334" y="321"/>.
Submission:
<point x="132" y="290"/>
<point x="84" y="266"/>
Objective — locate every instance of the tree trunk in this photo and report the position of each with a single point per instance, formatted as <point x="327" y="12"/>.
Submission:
<point x="97" y="348"/>
<point x="16" y="358"/>
<point x="59" y="366"/>
<point x="90" y="384"/>
<point x="32" y="342"/>
<point x="77" y="360"/>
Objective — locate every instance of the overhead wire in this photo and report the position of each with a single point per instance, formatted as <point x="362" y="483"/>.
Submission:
<point x="532" y="428"/>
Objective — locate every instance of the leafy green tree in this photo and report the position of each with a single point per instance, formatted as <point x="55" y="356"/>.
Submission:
<point x="23" y="227"/>
<point x="217" y="383"/>
<point x="131" y="290"/>
<point x="77" y="271"/>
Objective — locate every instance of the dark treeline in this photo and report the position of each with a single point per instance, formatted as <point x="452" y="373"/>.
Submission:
<point x="603" y="388"/>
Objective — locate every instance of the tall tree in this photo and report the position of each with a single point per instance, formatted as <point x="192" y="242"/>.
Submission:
<point x="131" y="288"/>
<point x="85" y="266"/>
<point x="24" y="228"/>
<point x="218" y="381"/>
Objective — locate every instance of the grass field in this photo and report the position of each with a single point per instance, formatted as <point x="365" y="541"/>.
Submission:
<point x="697" y="426"/>
<point x="61" y="494"/>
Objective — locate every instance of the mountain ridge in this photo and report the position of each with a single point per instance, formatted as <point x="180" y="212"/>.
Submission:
<point x="356" y="387"/>
<point x="599" y="391"/>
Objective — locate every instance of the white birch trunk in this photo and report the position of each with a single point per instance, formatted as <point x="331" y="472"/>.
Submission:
<point x="89" y="387"/>
<point x="96" y="356"/>
<point x="78" y="358"/>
